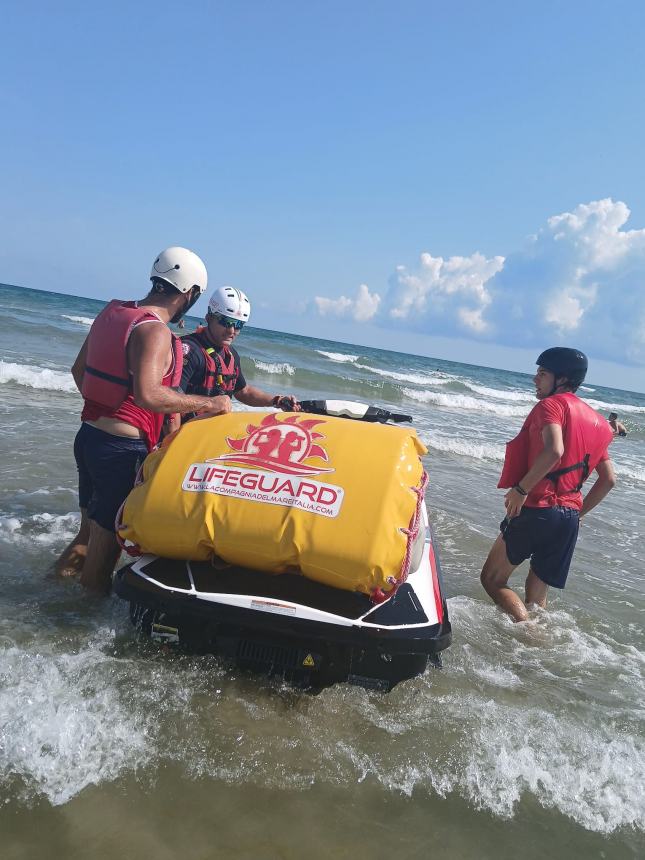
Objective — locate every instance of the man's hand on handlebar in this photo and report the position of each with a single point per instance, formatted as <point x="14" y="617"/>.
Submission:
<point x="287" y="402"/>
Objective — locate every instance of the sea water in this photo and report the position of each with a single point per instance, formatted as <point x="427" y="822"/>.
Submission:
<point x="530" y="741"/>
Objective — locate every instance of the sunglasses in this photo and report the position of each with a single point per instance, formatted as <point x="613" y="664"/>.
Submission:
<point x="227" y="322"/>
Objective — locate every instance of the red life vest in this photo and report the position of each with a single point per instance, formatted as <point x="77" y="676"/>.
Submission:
<point x="107" y="383"/>
<point x="585" y="435"/>
<point x="221" y="371"/>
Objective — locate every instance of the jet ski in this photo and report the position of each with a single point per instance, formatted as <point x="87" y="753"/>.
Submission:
<point x="309" y="633"/>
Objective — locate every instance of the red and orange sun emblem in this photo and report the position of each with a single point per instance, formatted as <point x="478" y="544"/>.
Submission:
<point x="279" y="446"/>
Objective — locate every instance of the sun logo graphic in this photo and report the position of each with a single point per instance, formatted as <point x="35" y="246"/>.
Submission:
<point x="279" y="446"/>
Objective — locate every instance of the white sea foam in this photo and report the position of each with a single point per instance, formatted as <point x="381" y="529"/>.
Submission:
<point x="337" y="356"/>
<point x="465" y="447"/>
<point x="586" y="388"/>
<point x="43" y="529"/>
<point x="608" y="406"/>
<point x="32" y="376"/>
<point x="459" y="402"/>
<point x="82" y="320"/>
<point x="275" y="368"/>
<point x="499" y="393"/>
<point x="64" y="724"/>
<point x="568" y="759"/>
<point x="635" y="473"/>
<point x="409" y="378"/>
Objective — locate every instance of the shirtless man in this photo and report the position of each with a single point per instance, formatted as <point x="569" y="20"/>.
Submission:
<point x="126" y="371"/>
<point x="617" y="426"/>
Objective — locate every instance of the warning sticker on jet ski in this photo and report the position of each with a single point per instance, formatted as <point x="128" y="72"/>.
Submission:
<point x="276" y="452"/>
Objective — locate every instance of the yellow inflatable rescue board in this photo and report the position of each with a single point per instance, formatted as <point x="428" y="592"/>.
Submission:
<point x="336" y="499"/>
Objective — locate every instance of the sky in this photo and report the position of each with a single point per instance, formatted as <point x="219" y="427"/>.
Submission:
<point x="463" y="180"/>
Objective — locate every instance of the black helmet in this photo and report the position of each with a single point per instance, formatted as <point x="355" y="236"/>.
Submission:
<point x="562" y="361"/>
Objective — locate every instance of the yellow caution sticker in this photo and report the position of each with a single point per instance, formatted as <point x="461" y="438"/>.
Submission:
<point x="309" y="661"/>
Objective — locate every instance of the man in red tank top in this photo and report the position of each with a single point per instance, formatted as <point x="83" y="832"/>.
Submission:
<point x="561" y="442"/>
<point x="126" y="371"/>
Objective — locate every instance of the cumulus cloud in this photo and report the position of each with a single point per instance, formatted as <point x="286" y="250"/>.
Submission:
<point x="438" y="289"/>
<point x="361" y="309"/>
<point x="579" y="280"/>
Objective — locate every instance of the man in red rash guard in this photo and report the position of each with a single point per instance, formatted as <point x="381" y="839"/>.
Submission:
<point x="126" y="371"/>
<point x="561" y="442"/>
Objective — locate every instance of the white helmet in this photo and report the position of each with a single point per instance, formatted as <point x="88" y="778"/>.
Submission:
<point x="230" y="303"/>
<point x="180" y="268"/>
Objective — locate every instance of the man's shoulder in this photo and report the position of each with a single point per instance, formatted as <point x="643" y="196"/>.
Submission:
<point x="550" y="410"/>
<point x="192" y="352"/>
<point x="150" y="329"/>
<point x="190" y="343"/>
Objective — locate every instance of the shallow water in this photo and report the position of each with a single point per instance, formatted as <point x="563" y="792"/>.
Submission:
<point x="529" y="740"/>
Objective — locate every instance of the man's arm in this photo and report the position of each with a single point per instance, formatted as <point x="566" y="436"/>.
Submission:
<point x="548" y="457"/>
<point x="78" y="368"/>
<point x="604" y="483"/>
<point x="148" y="350"/>
<point x="252" y="396"/>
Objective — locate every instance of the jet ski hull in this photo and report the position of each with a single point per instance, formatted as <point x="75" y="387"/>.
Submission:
<point x="308" y="633"/>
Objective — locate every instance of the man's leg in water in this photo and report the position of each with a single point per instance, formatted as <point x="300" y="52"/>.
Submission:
<point x="102" y="555"/>
<point x="71" y="560"/>
<point x="536" y="590"/>
<point x="495" y="574"/>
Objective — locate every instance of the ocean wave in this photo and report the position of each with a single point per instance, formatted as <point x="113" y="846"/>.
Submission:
<point x="337" y="356"/>
<point x="82" y="320"/>
<point x="275" y="368"/>
<point x="608" y="406"/>
<point x="499" y="393"/>
<point x="465" y="447"/>
<point x="586" y="388"/>
<point x="41" y="378"/>
<point x="459" y="402"/>
<point x="413" y="378"/>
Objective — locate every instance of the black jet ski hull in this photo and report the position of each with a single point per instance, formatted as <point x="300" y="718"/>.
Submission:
<point x="308" y="633"/>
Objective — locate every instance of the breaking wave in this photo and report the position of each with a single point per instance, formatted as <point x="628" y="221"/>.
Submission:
<point x="608" y="406"/>
<point x="41" y="378"/>
<point x="465" y="447"/>
<point x="463" y="401"/>
<point x="413" y="378"/>
<point x="338" y="356"/>
<point x="275" y="368"/>
<point x="500" y="394"/>
<point x="82" y="320"/>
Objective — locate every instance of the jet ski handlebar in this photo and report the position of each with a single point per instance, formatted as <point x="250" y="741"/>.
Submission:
<point x="347" y="409"/>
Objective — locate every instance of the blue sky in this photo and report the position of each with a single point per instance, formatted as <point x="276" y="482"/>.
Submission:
<point x="462" y="180"/>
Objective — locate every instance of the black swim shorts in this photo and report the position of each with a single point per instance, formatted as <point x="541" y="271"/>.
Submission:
<point x="107" y="467"/>
<point x="545" y="535"/>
